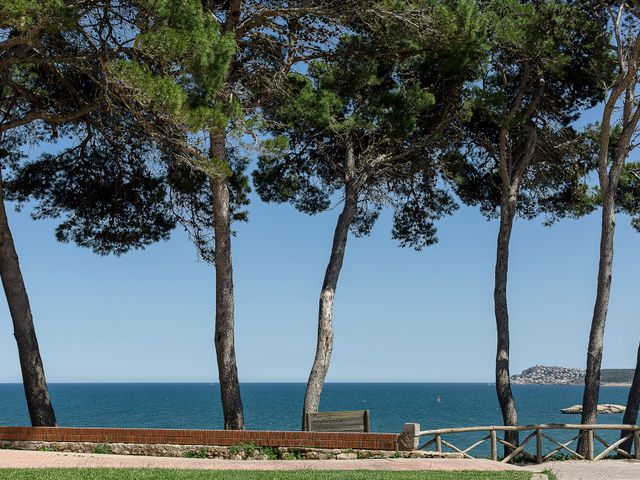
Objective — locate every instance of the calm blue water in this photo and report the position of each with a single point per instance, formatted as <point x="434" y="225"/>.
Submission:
<point x="270" y="406"/>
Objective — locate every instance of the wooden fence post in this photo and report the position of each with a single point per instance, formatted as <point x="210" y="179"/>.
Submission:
<point x="538" y="445"/>
<point x="589" y="444"/>
<point x="636" y="442"/>
<point x="494" y="446"/>
<point x="438" y="443"/>
<point x="367" y="422"/>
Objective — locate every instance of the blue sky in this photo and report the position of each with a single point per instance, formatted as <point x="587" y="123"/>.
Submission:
<point x="399" y="316"/>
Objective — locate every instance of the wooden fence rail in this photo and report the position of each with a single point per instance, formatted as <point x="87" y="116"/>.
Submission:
<point x="536" y="434"/>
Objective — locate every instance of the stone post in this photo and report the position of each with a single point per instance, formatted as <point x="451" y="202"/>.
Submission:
<point x="408" y="439"/>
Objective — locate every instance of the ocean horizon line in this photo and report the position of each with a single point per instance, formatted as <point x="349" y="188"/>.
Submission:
<point x="266" y="382"/>
<point x="304" y="383"/>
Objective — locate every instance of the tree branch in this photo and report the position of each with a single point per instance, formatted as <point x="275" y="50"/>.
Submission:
<point x="48" y="117"/>
<point x="21" y="39"/>
<point x="233" y="17"/>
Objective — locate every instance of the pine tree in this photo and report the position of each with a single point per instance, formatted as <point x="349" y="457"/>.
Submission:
<point x="171" y="95"/>
<point x="365" y="126"/>
<point x="520" y="154"/>
<point x="41" y="68"/>
<point x="69" y="69"/>
<point x="615" y="137"/>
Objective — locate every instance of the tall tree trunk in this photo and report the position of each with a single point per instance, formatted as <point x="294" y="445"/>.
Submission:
<point x="33" y="378"/>
<point x="224" y="330"/>
<point x="596" y="336"/>
<point x="503" y="379"/>
<point x="633" y="404"/>
<point x="324" y="345"/>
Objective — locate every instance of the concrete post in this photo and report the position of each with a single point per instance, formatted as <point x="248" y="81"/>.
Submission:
<point x="408" y="439"/>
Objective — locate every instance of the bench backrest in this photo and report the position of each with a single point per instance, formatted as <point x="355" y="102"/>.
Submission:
<point x="349" y="421"/>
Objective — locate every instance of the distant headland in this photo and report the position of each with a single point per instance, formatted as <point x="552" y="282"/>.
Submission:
<point x="545" y="375"/>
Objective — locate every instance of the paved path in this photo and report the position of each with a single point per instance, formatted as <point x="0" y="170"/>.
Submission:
<point x="602" y="470"/>
<point x="32" y="459"/>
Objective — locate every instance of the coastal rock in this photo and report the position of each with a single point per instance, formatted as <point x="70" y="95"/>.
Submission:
<point x="604" y="408"/>
<point x="217" y="452"/>
<point x="347" y="456"/>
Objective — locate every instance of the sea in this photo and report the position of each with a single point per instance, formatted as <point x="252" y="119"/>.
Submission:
<point x="278" y="406"/>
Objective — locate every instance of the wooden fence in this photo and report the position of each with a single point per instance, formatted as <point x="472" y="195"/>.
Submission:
<point x="536" y="434"/>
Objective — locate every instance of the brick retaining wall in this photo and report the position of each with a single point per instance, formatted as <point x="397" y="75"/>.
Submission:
<point x="360" y="441"/>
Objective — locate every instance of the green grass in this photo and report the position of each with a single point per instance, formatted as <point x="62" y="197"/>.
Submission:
<point x="150" y="474"/>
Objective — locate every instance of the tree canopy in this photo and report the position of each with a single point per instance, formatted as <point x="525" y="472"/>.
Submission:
<point x="153" y="90"/>
<point x="388" y="95"/>
<point x="548" y="61"/>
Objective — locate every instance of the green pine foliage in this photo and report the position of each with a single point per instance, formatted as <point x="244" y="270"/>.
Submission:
<point x="106" y="205"/>
<point x="181" y="63"/>
<point x="392" y="88"/>
<point x="628" y="193"/>
<point x="557" y="52"/>
<point x="587" y="196"/>
<point x="47" y="14"/>
<point x="150" y="71"/>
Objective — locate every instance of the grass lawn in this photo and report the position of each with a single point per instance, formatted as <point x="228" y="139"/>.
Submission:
<point x="149" y="474"/>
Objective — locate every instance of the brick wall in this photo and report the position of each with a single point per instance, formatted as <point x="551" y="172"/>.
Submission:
<point x="366" y="441"/>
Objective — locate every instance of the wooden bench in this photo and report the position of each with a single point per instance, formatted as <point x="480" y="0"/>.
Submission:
<point x="348" y="421"/>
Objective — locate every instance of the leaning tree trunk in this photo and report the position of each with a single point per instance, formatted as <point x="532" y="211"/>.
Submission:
<point x="633" y="404"/>
<point x="503" y="379"/>
<point x="596" y="336"/>
<point x="224" y="330"/>
<point x="33" y="378"/>
<point x="324" y="345"/>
